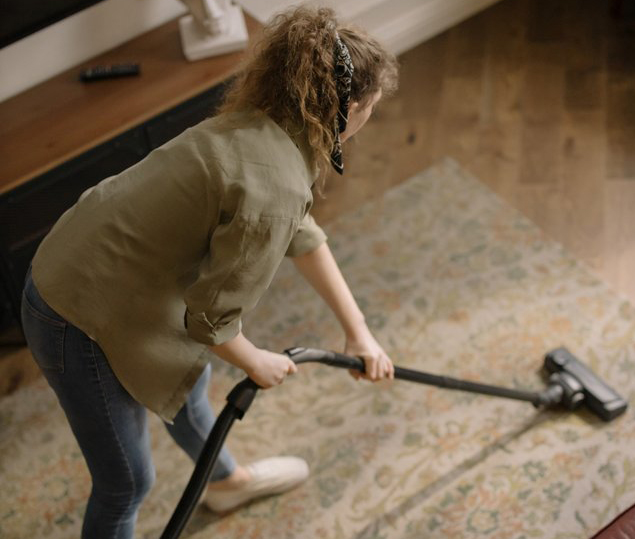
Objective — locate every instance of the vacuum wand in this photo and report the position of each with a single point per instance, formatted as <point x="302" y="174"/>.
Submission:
<point x="571" y="383"/>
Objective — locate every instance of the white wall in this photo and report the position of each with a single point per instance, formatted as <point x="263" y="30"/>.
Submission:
<point x="75" y="39"/>
<point x="402" y="24"/>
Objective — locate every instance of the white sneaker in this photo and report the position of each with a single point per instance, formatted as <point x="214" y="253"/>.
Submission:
<point x="268" y="476"/>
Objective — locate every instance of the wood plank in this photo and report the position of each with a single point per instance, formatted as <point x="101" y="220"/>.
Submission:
<point x="542" y="106"/>
<point x="415" y="109"/>
<point x="584" y="55"/>
<point x="620" y="94"/>
<point x="17" y="368"/>
<point x="620" y="126"/>
<point x="583" y="188"/>
<point x="546" y="21"/>
<point x="619" y="246"/>
<point x="499" y="148"/>
<point x="583" y="134"/>
<point x="466" y="49"/>
<point x="456" y="126"/>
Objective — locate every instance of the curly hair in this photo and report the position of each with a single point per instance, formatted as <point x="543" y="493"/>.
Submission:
<point x="290" y="76"/>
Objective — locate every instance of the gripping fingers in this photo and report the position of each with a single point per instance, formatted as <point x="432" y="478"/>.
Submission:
<point x="378" y="368"/>
<point x="293" y="368"/>
<point x="385" y="368"/>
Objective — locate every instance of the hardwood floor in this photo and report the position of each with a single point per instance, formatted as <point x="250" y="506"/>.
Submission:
<point x="534" y="97"/>
<point x="537" y="99"/>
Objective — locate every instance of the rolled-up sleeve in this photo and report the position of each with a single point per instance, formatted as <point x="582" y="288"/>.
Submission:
<point x="307" y="238"/>
<point x="243" y="257"/>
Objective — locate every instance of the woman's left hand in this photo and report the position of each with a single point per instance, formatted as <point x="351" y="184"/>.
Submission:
<point x="377" y="363"/>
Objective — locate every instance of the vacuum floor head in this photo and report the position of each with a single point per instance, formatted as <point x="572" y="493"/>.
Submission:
<point x="580" y="385"/>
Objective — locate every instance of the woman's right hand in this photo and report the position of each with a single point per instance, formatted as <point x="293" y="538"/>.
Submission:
<point x="269" y="369"/>
<point x="265" y="368"/>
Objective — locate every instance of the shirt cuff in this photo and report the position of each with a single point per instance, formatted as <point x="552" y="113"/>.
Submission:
<point x="306" y="241"/>
<point x="202" y="330"/>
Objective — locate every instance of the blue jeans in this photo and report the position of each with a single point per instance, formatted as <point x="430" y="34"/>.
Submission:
<point x="109" y="425"/>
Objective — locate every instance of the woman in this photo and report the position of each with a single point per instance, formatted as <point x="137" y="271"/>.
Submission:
<point x="155" y="264"/>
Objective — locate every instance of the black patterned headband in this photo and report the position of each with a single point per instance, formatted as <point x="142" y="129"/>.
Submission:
<point x="343" y="73"/>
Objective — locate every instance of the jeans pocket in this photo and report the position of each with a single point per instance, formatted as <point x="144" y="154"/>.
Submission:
<point x="44" y="335"/>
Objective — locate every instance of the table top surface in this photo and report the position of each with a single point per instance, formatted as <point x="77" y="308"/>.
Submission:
<point x="63" y="117"/>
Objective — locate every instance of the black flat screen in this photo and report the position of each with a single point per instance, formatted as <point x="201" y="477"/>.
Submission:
<point x="20" y="18"/>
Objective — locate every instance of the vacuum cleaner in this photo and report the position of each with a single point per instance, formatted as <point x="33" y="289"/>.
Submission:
<point x="570" y="385"/>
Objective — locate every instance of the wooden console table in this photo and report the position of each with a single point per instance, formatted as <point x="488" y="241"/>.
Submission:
<point x="63" y="136"/>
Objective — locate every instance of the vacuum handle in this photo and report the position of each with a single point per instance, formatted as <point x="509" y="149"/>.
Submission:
<point x="305" y="355"/>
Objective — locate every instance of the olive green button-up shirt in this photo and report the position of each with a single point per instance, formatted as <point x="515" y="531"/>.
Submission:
<point x="194" y="231"/>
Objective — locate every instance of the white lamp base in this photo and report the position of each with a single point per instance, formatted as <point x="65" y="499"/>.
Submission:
<point x="198" y="44"/>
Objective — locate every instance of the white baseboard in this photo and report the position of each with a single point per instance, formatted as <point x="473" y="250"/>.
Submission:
<point x="403" y="24"/>
<point x="398" y="24"/>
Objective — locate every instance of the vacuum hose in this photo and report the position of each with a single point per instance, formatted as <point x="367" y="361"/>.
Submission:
<point x="238" y="401"/>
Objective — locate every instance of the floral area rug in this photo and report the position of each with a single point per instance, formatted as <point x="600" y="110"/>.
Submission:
<point x="453" y="281"/>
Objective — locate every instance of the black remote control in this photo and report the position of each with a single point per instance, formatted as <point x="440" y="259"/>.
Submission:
<point x="112" y="71"/>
